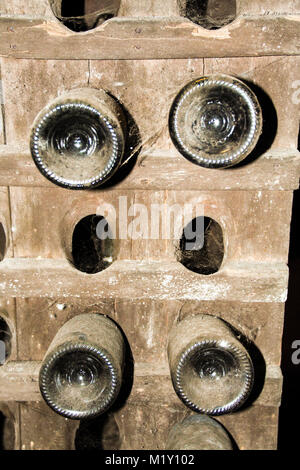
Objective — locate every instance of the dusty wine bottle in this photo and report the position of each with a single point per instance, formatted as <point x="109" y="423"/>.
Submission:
<point x="78" y="140"/>
<point x="198" y="432"/>
<point x="211" y="370"/>
<point x="81" y="373"/>
<point x="215" y="121"/>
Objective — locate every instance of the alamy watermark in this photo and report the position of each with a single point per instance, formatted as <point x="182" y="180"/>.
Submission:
<point x="2" y="352"/>
<point x="155" y="222"/>
<point x="296" y="353"/>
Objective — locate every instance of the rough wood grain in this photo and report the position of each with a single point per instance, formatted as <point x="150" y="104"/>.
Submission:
<point x="278" y="85"/>
<point x="19" y="382"/>
<point x="145" y="427"/>
<point x="28" y="90"/>
<point x="159" y="169"/>
<point x="40" y="8"/>
<point x="43" y="429"/>
<point x="146" y="323"/>
<point x="29" y="8"/>
<point x="147" y="89"/>
<point x="253" y="282"/>
<point x="255" y="224"/>
<point x="138" y="8"/>
<point x="149" y="38"/>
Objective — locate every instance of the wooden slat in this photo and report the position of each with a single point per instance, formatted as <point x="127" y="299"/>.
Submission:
<point x="159" y="169"/>
<point x="149" y="38"/>
<point x="252" y="282"/>
<point x="19" y="382"/>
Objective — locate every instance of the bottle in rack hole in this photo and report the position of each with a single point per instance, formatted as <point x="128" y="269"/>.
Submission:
<point x="81" y="373"/>
<point x="215" y="121"/>
<point x="211" y="370"/>
<point x="198" y="432"/>
<point x="78" y="140"/>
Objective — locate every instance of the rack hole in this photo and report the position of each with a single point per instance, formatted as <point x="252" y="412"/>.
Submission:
<point x="84" y="15"/>
<point x="2" y="242"/>
<point x="5" y="341"/>
<point x="92" y="244"/>
<point x="101" y="433"/>
<point x="7" y="431"/>
<point x="201" y="247"/>
<point x="210" y="14"/>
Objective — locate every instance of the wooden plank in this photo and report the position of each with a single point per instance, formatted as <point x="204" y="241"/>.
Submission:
<point x="42" y="429"/>
<point x="251" y="221"/>
<point x="267" y="7"/>
<point x="29" y="86"/>
<point x="41" y="9"/>
<point x="145" y="427"/>
<point x="43" y="226"/>
<point x="159" y="169"/>
<point x="279" y="97"/>
<point x="253" y="282"/>
<point x="2" y="122"/>
<point x="146" y="323"/>
<point x="136" y="8"/>
<point x="146" y="89"/>
<point x="19" y="382"/>
<point x="27" y="8"/>
<point x="150" y="38"/>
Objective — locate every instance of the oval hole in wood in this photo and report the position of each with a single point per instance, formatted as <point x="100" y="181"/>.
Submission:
<point x="83" y="15"/>
<point x="92" y="244"/>
<point x="210" y="14"/>
<point x="201" y="248"/>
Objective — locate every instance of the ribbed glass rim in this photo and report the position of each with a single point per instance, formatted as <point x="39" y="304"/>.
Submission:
<point x="60" y="109"/>
<point x="49" y="363"/>
<point x="243" y="358"/>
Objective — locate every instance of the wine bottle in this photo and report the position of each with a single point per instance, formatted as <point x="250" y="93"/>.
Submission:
<point x="211" y="370"/>
<point x="198" y="432"/>
<point x="81" y="373"/>
<point x="215" y="121"/>
<point x="78" y="140"/>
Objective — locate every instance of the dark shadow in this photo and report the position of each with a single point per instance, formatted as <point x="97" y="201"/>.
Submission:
<point x="289" y="413"/>
<point x="92" y="254"/>
<point x="269" y="125"/>
<point x="133" y="146"/>
<point x="7" y="433"/>
<point x="210" y="14"/>
<point x="2" y="242"/>
<point x="83" y="15"/>
<point x="2" y="425"/>
<point x="128" y="374"/>
<point x="101" y="433"/>
<point x="259" y="366"/>
<point x="201" y="248"/>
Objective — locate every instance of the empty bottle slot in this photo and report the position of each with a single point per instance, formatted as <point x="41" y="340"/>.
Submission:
<point x="5" y="341"/>
<point x="2" y="242"/>
<point x="7" y="431"/>
<point x="92" y="244"/>
<point x="83" y="15"/>
<point x="210" y="14"/>
<point x="201" y="248"/>
<point x="101" y="433"/>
